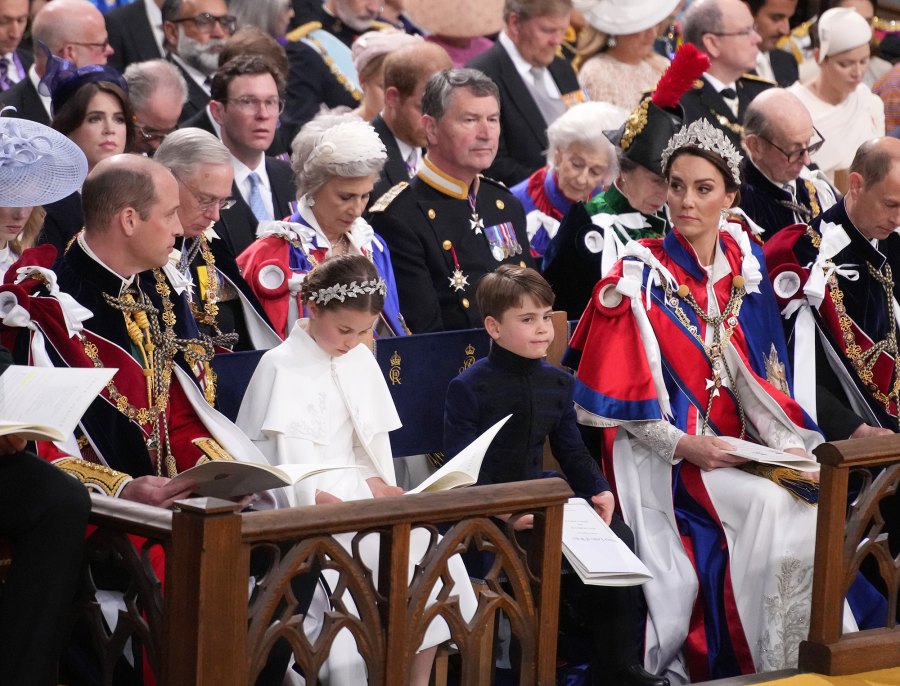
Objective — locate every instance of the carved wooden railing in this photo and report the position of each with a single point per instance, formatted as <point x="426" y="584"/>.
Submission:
<point x="845" y="537"/>
<point x="202" y="630"/>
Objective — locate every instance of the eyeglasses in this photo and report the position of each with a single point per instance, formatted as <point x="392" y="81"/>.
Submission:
<point x="99" y="47"/>
<point x="206" y="21"/>
<point x="745" y="33"/>
<point x="204" y="201"/>
<point x="149" y="134"/>
<point x="797" y="155"/>
<point x="250" y="104"/>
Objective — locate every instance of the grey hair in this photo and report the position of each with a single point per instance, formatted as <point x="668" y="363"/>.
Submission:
<point x="171" y="9"/>
<point x="146" y="78"/>
<point x="184" y="150"/>
<point x="584" y="124"/>
<point x="356" y="150"/>
<point x="702" y="17"/>
<point x="263" y="14"/>
<point x="528" y="9"/>
<point x="440" y="87"/>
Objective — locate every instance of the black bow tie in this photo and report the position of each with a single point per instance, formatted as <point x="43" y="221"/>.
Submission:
<point x="728" y="93"/>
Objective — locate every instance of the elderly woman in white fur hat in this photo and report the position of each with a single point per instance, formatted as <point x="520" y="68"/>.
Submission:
<point x="843" y="109"/>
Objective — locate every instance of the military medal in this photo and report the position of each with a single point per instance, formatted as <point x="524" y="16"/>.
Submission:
<point x="503" y="241"/>
<point x="476" y="223"/>
<point x="458" y="281"/>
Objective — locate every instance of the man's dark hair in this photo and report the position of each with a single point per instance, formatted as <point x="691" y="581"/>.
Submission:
<point x="242" y="65"/>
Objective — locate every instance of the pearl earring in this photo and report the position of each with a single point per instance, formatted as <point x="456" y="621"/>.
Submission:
<point x="310" y="201"/>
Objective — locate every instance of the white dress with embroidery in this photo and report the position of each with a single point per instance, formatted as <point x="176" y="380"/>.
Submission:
<point x="304" y="406"/>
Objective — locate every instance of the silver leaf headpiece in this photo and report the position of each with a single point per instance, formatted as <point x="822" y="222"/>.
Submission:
<point x="342" y="291"/>
<point x="701" y="134"/>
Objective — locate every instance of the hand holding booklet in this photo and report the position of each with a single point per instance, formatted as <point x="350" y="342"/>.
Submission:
<point x="45" y="403"/>
<point x="597" y="555"/>
<point x="462" y="470"/>
<point x="765" y="455"/>
<point x="233" y="479"/>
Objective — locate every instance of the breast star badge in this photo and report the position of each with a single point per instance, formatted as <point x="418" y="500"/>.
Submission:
<point x="458" y="281"/>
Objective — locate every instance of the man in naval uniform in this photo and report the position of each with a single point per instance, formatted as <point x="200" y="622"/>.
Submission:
<point x="778" y="188"/>
<point x="449" y="225"/>
<point x="724" y="30"/>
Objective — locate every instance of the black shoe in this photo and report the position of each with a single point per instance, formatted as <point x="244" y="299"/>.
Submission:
<point x="636" y="675"/>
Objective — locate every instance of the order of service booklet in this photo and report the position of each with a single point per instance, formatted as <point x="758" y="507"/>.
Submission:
<point x="45" y="403"/>
<point x="765" y="455"/>
<point x="232" y="479"/>
<point x="461" y="470"/>
<point x="597" y="555"/>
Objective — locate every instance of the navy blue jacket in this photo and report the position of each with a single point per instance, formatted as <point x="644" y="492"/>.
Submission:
<point x="539" y="397"/>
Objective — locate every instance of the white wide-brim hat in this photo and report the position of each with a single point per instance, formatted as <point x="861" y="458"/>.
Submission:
<point x="457" y="19"/>
<point x="37" y="164"/>
<point x="623" y="17"/>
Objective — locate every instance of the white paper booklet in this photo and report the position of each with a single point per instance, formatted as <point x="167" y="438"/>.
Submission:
<point x="45" y="403"/>
<point x="232" y="479"/>
<point x="463" y="469"/>
<point x="779" y="458"/>
<point x="599" y="557"/>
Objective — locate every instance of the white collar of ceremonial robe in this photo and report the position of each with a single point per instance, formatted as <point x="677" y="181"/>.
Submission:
<point x="834" y="239"/>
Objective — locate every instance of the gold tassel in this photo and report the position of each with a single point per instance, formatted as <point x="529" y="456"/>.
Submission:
<point x="799" y="484"/>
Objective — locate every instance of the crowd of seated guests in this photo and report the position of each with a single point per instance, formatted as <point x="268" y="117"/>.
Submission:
<point x="719" y="217"/>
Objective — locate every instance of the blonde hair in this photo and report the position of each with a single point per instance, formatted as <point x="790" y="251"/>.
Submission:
<point x="30" y="232"/>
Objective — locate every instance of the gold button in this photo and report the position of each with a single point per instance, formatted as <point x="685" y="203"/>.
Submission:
<point x="522" y="264"/>
<point x="465" y="303"/>
<point x="431" y="214"/>
<point x="500" y="204"/>
<point x="446" y="245"/>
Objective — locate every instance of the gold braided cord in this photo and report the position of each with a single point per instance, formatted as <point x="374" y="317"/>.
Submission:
<point x="863" y="362"/>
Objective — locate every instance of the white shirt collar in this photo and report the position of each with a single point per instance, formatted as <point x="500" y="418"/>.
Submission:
<point x="718" y="85"/>
<point x="35" y="81"/>
<point x="126" y="282"/>
<point x="406" y="149"/>
<point x="242" y="171"/>
<point x="196" y="75"/>
<point x="154" y="17"/>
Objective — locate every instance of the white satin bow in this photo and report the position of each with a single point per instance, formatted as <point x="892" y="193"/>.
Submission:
<point x="834" y="239"/>
<point x="73" y="313"/>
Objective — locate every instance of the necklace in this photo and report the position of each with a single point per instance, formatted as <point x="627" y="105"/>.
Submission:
<point x="722" y="327"/>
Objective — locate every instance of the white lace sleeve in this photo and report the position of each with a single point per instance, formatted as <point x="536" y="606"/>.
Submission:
<point x="659" y="436"/>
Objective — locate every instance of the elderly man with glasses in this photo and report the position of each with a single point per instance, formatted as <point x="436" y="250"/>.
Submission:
<point x="157" y="91"/>
<point x="196" y="32"/>
<point x="778" y="188"/>
<point x="725" y="31"/>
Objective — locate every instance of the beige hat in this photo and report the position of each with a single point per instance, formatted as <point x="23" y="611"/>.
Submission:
<point x="457" y="19"/>
<point x="841" y="29"/>
<point x="622" y="17"/>
<point x="372" y="44"/>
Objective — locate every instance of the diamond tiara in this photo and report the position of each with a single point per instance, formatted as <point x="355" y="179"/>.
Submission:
<point x="342" y="291"/>
<point x="701" y="134"/>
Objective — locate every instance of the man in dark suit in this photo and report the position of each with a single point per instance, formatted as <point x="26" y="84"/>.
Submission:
<point x="246" y="102"/>
<point x="135" y="33"/>
<point x="72" y="29"/>
<point x="772" y="19"/>
<point x="15" y="58"/>
<point x="196" y="32"/>
<point x="449" y="226"/>
<point x="778" y="189"/>
<point x="724" y="30"/>
<point x="406" y="71"/>
<point x="536" y="84"/>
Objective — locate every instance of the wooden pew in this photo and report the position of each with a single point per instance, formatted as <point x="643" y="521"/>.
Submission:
<point x="201" y="630"/>
<point x="845" y="536"/>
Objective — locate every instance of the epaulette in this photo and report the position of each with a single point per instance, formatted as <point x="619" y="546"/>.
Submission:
<point x="698" y="84"/>
<point x="494" y="182"/>
<point x="388" y="197"/>
<point x="756" y="77"/>
<point x="802" y="30"/>
<point x="303" y="31"/>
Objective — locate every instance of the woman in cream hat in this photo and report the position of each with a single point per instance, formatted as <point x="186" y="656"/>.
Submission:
<point x="843" y="109"/>
<point x="624" y="31"/>
<point x="369" y="51"/>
